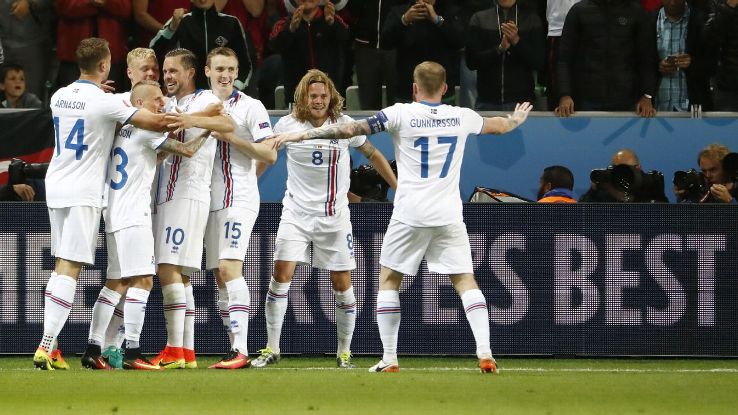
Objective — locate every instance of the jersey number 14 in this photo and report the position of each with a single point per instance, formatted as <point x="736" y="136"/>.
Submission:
<point x="77" y="133"/>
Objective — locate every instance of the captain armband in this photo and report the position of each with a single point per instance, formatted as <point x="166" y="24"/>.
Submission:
<point x="377" y="123"/>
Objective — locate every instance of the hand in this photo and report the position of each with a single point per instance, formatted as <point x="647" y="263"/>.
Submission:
<point x="430" y="12"/>
<point x="107" y="86"/>
<point x="732" y="3"/>
<point x="505" y="43"/>
<point x="20" y="9"/>
<point x="24" y="191"/>
<point x="177" y="17"/>
<point x="645" y="108"/>
<point x="510" y="30"/>
<point x="179" y="120"/>
<point x="296" y="19"/>
<point x="721" y="193"/>
<point x="213" y="110"/>
<point x="566" y="107"/>
<point x="414" y="13"/>
<point x="521" y="113"/>
<point x="281" y="139"/>
<point x="98" y="3"/>
<point x="667" y="66"/>
<point x="329" y="12"/>
<point x="683" y="60"/>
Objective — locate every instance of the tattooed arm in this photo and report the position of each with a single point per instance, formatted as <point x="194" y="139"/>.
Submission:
<point x="187" y="149"/>
<point x="329" y="132"/>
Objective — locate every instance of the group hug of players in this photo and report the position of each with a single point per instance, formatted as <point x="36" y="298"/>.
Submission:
<point x="171" y="175"/>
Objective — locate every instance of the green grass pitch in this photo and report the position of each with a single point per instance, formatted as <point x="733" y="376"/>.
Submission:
<point x="425" y="385"/>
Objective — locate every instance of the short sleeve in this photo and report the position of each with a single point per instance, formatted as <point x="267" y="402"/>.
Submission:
<point x="282" y="125"/>
<point x="115" y="108"/>
<point x="257" y="121"/>
<point x="154" y="140"/>
<point x="384" y="120"/>
<point x="473" y="121"/>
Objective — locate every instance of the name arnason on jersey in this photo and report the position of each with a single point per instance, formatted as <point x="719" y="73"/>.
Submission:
<point x="70" y="105"/>
<point x="443" y="122"/>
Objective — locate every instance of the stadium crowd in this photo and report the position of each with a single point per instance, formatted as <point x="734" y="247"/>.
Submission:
<point x="561" y="55"/>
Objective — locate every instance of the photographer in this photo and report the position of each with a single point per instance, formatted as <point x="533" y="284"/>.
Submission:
<point x="625" y="181"/>
<point x="715" y="184"/>
<point x="20" y="174"/>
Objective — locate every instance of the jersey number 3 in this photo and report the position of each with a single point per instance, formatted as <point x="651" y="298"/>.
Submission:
<point x="424" y="144"/>
<point x="77" y="132"/>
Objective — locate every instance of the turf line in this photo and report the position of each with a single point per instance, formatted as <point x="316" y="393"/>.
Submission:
<point x="467" y="369"/>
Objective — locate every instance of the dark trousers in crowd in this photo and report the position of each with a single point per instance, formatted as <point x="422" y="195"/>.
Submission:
<point x="374" y="68"/>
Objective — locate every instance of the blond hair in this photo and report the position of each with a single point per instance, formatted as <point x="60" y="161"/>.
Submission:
<point x="139" y="54"/>
<point x="139" y="91"/>
<point x="221" y="51"/>
<point x="430" y="77"/>
<point x="301" y="110"/>
<point x="714" y="151"/>
<point x="90" y="52"/>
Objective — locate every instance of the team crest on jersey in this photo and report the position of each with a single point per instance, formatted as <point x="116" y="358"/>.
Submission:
<point x="334" y="141"/>
<point x="221" y="41"/>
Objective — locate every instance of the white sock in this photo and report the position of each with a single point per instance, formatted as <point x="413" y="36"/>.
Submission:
<point x="345" y="318"/>
<point x="475" y="307"/>
<point x="275" y="309"/>
<point x="61" y="298"/>
<point x="134" y="315"/>
<point x="223" y="310"/>
<point x="102" y="311"/>
<point x="174" y="312"/>
<point x="188" y="341"/>
<point x="115" y="333"/>
<point x="47" y="298"/>
<point x="388" y="321"/>
<point x="239" y="305"/>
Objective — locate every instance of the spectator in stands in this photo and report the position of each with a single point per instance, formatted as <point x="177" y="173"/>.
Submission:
<point x="311" y="38"/>
<point x="557" y="185"/>
<point x="683" y="79"/>
<point x="423" y="30"/>
<point x="505" y="45"/>
<point x="710" y="161"/>
<point x="556" y="11"/>
<point x="721" y="31"/>
<point x="25" y="29"/>
<point x="13" y="86"/>
<point x="607" y="58"/>
<point x="150" y="17"/>
<point x="77" y="20"/>
<point x="468" y="77"/>
<point x="200" y="31"/>
<point x="249" y="13"/>
<point x="374" y="66"/>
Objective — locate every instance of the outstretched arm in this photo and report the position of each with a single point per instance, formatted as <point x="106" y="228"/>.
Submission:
<point x="183" y="121"/>
<point x="258" y="151"/>
<point x="380" y="163"/>
<point x="329" y="132"/>
<point x="187" y="149"/>
<point x="502" y="125"/>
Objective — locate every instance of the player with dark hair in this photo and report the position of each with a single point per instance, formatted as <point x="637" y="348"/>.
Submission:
<point x="429" y="139"/>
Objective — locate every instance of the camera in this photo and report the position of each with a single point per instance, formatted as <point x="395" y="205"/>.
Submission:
<point x="692" y="184"/>
<point x="19" y="171"/>
<point x="628" y="184"/>
<point x="367" y="183"/>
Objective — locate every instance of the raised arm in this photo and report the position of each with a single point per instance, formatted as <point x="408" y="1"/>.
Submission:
<point x="502" y="125"/>
<point x="261" y="151"/>
<point x="187" y="149"/>
<point x="380" y="163"/>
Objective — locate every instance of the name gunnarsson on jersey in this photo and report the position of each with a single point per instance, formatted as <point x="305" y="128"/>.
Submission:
<point x="70" y="105"/>
<point x="444" y="122"/>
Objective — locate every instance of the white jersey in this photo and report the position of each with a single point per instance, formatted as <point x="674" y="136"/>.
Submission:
<point x="318" y="171"/>
<point x="125" y="96"/>
<point x="84" y="122"/>
<point x="188" y="178"/>
<point x="130" y="176"/>
<point x="234" y="173"/>
<point x="429" y="142"/>
<point x="556" y="11"/>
